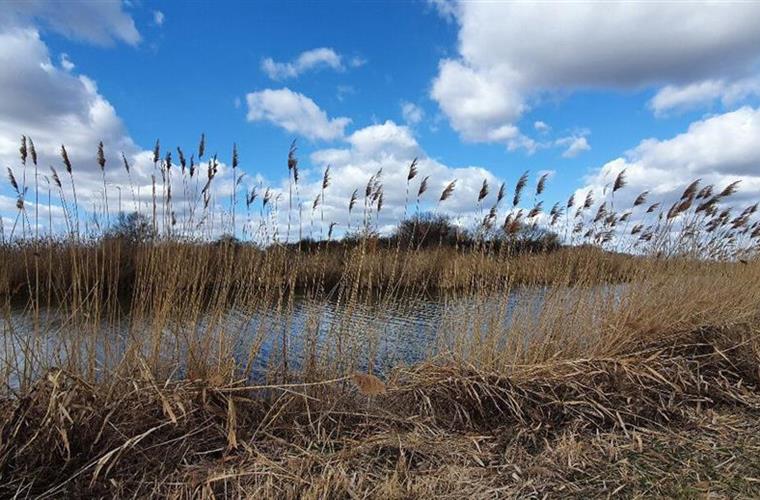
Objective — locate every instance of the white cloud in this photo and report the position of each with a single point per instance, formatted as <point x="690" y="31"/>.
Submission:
<point x="684" y="97"/>
<point x="47" y="102"/>
<point x="510" y="53"/>
<point x="66" y="62"/>
<point x="52" y="106"/>
<point x="718" y="150"/>
<point x="295" y="113"/>
<point x="541" y="127"/>
<point x="322" y="57"/>
<point x="102" y="22"/>
<point x="412" y="113"/>
<point x="447" y="9"/>
<point x="575" y="145"/>
<point x="476" y="103"/>
<point x="158" y="18"/>
<point x="386" y="139"/>
<point x="392" y="147"/>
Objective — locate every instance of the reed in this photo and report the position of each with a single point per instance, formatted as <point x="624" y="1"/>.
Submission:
<point x="146" y="361"/>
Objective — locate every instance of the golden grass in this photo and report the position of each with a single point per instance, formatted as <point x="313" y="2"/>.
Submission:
<point x="133" y="368"/>
<point x="663" y="358"/>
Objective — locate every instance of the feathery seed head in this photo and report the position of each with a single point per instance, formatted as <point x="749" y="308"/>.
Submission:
<point x="691" y="189"/>
<point x="447" y="191"/>
<point x="620" y="181"/>
<point x="12" y="180"/>
<point x="705" y="192"/>
<point x="56" y="179"/>
<point x="541" y="185"/>
<point x="589" y="199"/>
<point x="292" y="160"/>
<point x="483" y="191"/>
<point x="570" y="201"/>
<point x="521" y="183"/>
<point x="101" y="156"/>
<point x="182" y="161"/>
<point x="352" y="201"/>
<point x="126" y="163"/>
<point x="202" y="146"/>
<point x="32" y="151"/>
<point x="730" y="189"/>
<point x="640" y="199"/>
<point x="66" y="161"/>
<point x="412" y="170"/>
<point x="535" y="210"/>
<point x="249" y="199"/>
<point x="423" y="186"/>
<point x="22" y="150"/>
<point x="326" y="178"/>
<point x="502" y="192"/>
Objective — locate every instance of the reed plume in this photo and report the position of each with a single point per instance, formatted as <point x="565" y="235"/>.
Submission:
<point x="521" y="183"/>
<point x="447" y="191"/>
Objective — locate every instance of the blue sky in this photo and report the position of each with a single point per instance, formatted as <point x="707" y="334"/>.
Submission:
<point x="477" y="90"/>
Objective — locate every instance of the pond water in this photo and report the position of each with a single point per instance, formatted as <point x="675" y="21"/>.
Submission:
<point x="387" y="332"/>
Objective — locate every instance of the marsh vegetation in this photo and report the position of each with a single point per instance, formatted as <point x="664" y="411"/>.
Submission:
<point x="584" y="349"/>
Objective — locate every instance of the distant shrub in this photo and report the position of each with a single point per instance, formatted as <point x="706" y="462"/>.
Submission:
<point x="426" y="230"/>
<point x="133" y="227"/>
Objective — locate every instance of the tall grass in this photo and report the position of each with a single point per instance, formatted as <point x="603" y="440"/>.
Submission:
<point x="142" y="361"/>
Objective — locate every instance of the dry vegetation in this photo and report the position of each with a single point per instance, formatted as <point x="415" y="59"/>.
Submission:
<point x="626" y="363"/>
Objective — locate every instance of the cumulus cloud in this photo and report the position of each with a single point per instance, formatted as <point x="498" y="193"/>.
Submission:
<point x="390" y="148"/>
<point x="66" y="62"/>
<point x="52" y="105"/>
<point x="510" y="53"/>
<point x="412" y="113"/>
<point x="447" y="9"/>
<point x="323" y="57"/>
<point x="675" y="98"/>
<point x="103" y="22"/>
<point x="575" y="145"/>
<point x="718" y="150"/>
<point x="48" y="102"/>
<point x="295" y="113"/>
<point x="541" y="127"/>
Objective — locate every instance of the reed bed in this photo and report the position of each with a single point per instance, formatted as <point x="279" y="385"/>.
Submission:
<point x="579" y="351"/>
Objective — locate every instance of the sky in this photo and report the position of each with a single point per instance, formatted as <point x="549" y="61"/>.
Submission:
<point x="668" y="92"/>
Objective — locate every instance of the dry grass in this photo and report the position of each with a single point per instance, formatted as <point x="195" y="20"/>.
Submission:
<point x="613" y="366"/>
<point x="667" y="421"/>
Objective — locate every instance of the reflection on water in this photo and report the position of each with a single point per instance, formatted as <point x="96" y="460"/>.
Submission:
<point x="387" y="332"/>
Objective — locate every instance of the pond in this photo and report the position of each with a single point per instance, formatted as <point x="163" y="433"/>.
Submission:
<point x="387" y="332"/>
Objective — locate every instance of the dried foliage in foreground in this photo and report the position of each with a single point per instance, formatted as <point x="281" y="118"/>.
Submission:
<point x="675" y="419"/>
<point x="582" y="352"/>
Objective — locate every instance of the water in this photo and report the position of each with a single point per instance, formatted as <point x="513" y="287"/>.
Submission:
<point x="386" y="333"/>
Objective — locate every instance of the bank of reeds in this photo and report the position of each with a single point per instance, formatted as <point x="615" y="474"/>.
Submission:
<point x="623" y="359"/>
